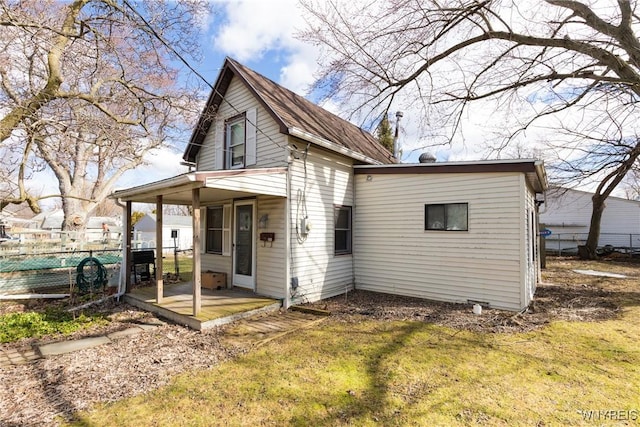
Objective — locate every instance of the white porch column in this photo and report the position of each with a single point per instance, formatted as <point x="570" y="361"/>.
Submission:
<point x="159" y="239"/>
<point x="197" y="299"/>
<point x="127" y="246"/>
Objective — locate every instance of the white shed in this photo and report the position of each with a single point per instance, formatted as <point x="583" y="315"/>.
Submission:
<point x="179" y="225"/>
<point x="568" y="214"/>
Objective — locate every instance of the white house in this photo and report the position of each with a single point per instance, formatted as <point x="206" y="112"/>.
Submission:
<point x="51" y="221"/>
<point x="178" y="225"/>
<point x="568" y="214"/>
<point x="295" y="203"/>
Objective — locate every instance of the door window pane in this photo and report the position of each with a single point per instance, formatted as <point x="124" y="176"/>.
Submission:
<point x="244" y="240"/>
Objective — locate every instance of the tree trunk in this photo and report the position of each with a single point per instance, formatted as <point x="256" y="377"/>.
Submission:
<point x="75" y="219"/>
<point x="594" y="228"/>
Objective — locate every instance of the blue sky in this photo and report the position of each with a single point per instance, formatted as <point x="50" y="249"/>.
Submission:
<point x="259" y="34"/>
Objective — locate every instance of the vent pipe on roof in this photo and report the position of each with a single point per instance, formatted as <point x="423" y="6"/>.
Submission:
<point x="427" y="158"/>
<point x="395" y="137"/>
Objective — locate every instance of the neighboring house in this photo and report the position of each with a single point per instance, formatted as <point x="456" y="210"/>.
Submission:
<point x="145" y="231"/>
<point x="295" y="203"/>
<point x="567" y="213"/>
<point x="52" y="221"/>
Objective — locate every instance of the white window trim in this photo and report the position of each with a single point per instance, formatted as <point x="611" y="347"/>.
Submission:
<point x="226" y="230"/>
<point x="227" y="143"/>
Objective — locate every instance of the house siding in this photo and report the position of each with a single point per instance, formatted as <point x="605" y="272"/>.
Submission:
<point x="329" y="182"/>
<point x="394" y="254"/>
<point x="270" y="142"/>
<point x="271" y="257"/>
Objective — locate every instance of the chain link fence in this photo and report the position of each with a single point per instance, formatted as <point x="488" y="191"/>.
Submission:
<point x="567" y="243"/>
<point x="23" y="269"/>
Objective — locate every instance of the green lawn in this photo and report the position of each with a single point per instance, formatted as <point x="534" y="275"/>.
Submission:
<point x="370" y="373"/>
<point x="185" y="264"/>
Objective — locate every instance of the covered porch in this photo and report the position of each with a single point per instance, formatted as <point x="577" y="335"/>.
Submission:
<point x="217" y="307"/>
<point x="189" y="303"/>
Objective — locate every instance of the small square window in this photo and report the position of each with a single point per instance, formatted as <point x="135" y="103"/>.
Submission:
<point x="446" y="217"/>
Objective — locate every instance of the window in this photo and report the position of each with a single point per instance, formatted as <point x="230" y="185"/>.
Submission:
<point x="214" y="229"/>
<point x="235" y="142"/>
<point x="343" y="229"/>
<point x="447" y="217"/>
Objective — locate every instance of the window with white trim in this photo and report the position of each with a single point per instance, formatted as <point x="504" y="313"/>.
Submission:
<point x="447" y="217"/>
<point x="218" y="230"/>
<point x="214" y="229"/>
<point x="235" y="142"/>
<point x="342" y="216"/>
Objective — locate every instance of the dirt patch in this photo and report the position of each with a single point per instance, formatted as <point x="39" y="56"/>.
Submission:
<point x="41" y="392"/>
<point x="565" y="295"/>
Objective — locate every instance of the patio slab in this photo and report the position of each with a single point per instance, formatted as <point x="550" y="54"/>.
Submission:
<point x="74" y="345"/>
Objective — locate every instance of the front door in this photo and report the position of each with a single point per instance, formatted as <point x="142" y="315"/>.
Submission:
<point x="244" y="250"/>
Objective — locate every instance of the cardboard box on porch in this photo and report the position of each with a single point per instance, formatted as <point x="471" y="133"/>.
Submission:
<point x="213" y="280"/>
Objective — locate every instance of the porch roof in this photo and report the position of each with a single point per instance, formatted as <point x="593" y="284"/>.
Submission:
<point x="213" y="185"/>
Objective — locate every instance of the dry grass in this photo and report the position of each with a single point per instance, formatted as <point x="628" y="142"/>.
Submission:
<point x="354" y="370"/>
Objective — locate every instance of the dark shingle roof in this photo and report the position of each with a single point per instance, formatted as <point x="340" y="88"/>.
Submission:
<point x="289" y="110"/>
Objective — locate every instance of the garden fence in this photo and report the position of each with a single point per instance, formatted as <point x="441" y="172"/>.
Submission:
<point x="567" y="243"/>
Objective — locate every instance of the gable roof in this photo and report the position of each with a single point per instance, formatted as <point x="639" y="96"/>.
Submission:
<point x="295" y="115"/>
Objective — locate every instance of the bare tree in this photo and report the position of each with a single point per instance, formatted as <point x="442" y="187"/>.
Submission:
<point x="88" y="87"/>
<point x="570" y="66"/>
<point x="632" y="183"/>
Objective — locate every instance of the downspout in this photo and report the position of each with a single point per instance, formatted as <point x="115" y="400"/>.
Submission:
<point x="125" y="253"/>
<point x="287" y="240"/>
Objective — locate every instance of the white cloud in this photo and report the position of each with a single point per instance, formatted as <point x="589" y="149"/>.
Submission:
<point x="160" y="164"/>
<point x="251" y="28"/>
<point x="298" y="75"/>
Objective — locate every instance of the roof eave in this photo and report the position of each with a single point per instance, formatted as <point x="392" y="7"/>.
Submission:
<point x="176" y="181"/>
<point x="309" y="137"/>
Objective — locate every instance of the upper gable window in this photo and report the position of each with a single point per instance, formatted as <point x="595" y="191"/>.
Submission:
<point x="235" y="142"/>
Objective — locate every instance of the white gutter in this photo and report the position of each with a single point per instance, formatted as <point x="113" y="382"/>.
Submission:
<point x="542" y="174"/>
<point x="156" y="186"/>
<point x="294" y="131"/>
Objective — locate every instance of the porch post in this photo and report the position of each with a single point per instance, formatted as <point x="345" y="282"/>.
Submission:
<point x="195" y="203"/>
<point x="159" y="240"/>
<point x="127" y="246"/>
